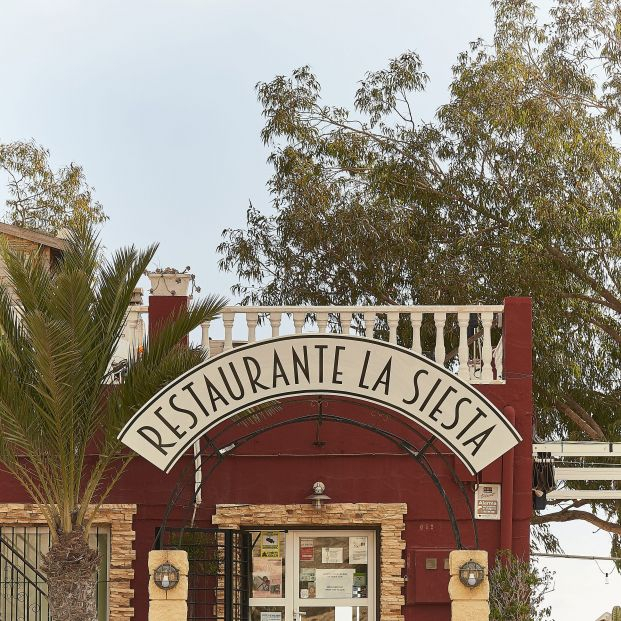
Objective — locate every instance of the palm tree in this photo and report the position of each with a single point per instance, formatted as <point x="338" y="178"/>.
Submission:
<point x="56" y="403"/>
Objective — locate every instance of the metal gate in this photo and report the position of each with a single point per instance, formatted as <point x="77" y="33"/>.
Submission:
<point x="218" y="580"/>
<point x="23" y="588"/>
<point x="23" y="584"/>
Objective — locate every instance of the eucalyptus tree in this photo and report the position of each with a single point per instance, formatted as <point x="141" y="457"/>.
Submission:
<point x="511" y="189"/>
<point x="57" y="404"/>
<point x="39" y="197"/>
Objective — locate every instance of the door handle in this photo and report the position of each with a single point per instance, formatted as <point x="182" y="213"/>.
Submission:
<point x="297" y="615"/>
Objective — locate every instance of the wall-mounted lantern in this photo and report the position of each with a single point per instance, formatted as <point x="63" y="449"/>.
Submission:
<point x="471" y="574"/>
<point x="318" y="497"/>
<point x="166" y="576"/>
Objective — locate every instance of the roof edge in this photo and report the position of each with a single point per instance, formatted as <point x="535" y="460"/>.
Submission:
<point x="33" y="235"/>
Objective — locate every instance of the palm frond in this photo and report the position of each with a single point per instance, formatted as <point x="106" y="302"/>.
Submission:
<point x="56" y="348"/>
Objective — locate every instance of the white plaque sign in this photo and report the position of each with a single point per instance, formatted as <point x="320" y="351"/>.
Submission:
<point x="487" y="501"/>
<point x="334" y="583"/>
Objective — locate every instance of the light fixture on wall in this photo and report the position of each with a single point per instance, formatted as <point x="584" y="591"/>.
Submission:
<point x="318" y="497"/>
<point x="471" y="574"/>
<point x="166" y="576"/>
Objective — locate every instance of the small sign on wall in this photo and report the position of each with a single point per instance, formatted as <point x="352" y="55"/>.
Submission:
<point x="270" y="544"/>
<point x="487" y="501"/>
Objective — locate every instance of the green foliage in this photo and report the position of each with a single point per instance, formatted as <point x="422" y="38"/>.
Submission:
<point x="517" y="590"/>
<point x="57" y="409"/>
<point x="512" y="189"/>
<point x="41" y="198"/>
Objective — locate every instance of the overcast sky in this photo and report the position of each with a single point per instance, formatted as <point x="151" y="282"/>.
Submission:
<point x="156" y="100"/>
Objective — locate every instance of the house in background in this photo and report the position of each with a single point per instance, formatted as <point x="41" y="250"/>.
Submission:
<point x="615" y="615"/>
<point x="398" y="493"/>
<point x="28" y="241"/>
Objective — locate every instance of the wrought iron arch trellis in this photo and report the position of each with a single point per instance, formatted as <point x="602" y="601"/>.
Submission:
<point x="211" y="456"/>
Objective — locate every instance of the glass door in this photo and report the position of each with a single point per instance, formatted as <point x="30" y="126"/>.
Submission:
<point x="334" y="576"/>
<point x="271" y="578"/>
<point x="318" y="575"/>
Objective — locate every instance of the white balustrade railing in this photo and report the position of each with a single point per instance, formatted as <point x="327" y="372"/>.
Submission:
<point x="134" y="333"/>
<point x="131" y="340"/>
<point x="473" y="358"/>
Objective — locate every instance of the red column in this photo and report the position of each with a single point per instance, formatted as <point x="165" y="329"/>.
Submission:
<point x="518" y="368"/>
<point x="508" y="463"/>
<point x="168" y="296"/>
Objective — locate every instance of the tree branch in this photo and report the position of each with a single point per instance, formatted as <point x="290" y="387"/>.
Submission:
<point x="609" y="330"/>
<point x="571" y="515"/>
<point x="612" y="300"/>
<point x="583" y="421"/>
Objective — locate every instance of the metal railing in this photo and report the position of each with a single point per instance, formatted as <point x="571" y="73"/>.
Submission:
<point x="23" y="588"/>
<point x="465" y="339"/>
<point x="23" y="584"/>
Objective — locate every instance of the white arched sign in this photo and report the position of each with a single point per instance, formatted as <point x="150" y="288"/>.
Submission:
<point x="374" y="371"/>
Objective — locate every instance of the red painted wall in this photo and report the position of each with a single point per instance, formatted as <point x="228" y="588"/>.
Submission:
<point x="357" y="466"/>
<point x="162" y="307"/>
<point x="279" y="467"/>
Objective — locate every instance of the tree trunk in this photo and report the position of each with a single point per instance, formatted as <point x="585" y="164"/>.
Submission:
<point x="70" y="566"/>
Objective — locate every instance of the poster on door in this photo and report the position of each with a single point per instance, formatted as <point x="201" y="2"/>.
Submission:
<point x="307" y="549"/>
<point x="266" y="577"/>
<point x="358" y="550"/>
<point x="331" y="555"/>
<point x="270" y="544"/>
<point x="334" y="583"/>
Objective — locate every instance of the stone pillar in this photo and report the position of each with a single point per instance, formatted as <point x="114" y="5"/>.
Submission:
<point x="468" y="604"/>
<point x="171" y="604"/>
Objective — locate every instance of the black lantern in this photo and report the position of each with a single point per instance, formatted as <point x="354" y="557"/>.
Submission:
<point x="471" y="574"/>
<point x="166" y="576"/>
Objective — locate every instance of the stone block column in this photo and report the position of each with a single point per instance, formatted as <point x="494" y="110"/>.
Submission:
<point x="468" y="604"/>
<point x="171" y="604"/>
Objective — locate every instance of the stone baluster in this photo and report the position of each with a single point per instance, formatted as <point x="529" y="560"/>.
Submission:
<point x="369" y="324"/>
<point x="439" y="319"/>
<point x="416" y="320"/>
<point x="487" y="374"/>
<point x="275" y="319"/>
<point x="251" y="321"/>
<point x="464" y="370"/>
<point x="345" y="322"/>
<point x="205" y="337"/>
<point x="393" y="323"/>
<point x="322" y="321"/>
<point x="228" y="319"/>
<point x="298" y="322"/>
<point x="499" y="350"/>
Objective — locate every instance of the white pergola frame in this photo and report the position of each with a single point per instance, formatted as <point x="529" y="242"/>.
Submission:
<point x="582" y="473"/>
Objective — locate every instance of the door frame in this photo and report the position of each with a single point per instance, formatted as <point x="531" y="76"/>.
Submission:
<point x="386" y="518"/>
<point x="291" y="579"/>
<point x="372" y="562"/>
